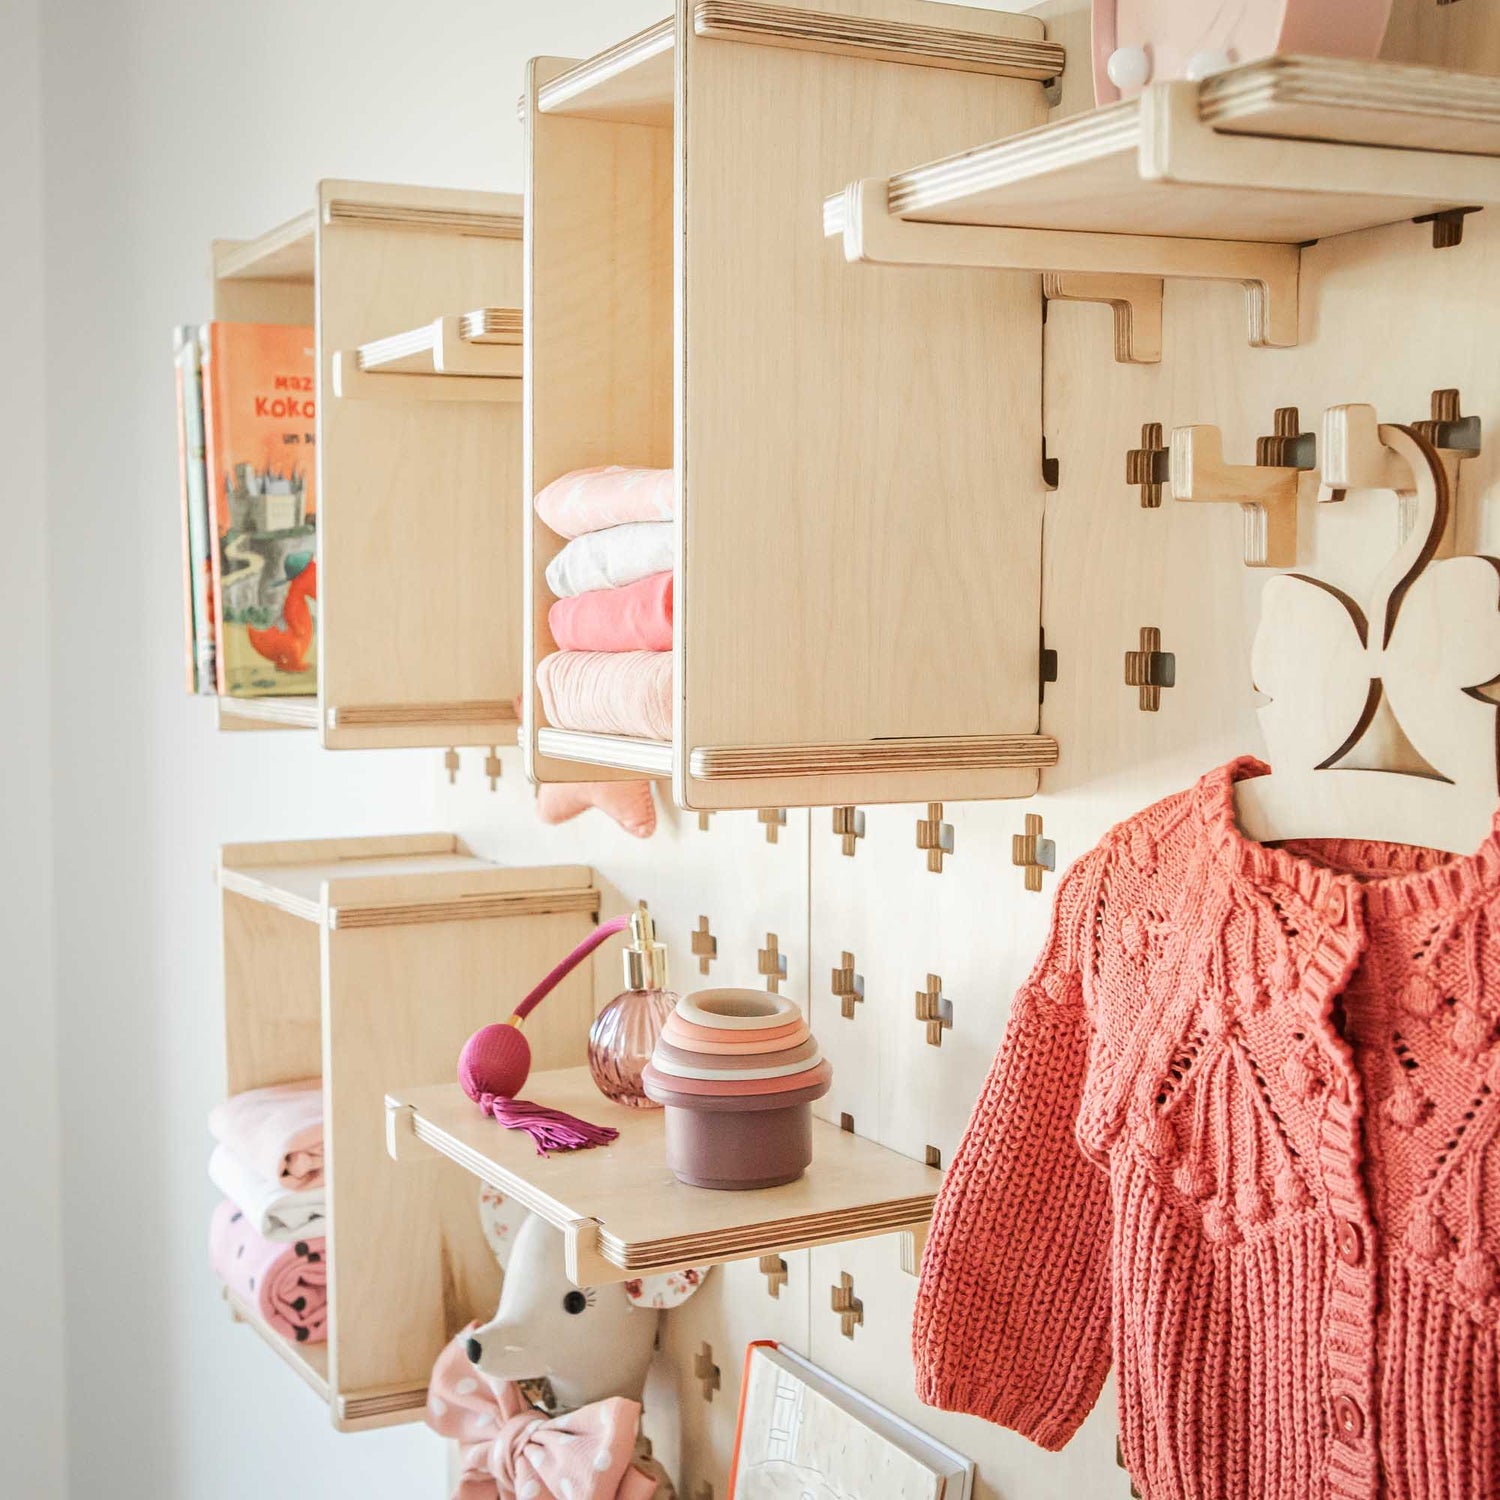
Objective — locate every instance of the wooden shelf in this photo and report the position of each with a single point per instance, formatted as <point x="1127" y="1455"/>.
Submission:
<point x="308" y="1361"/>
<point x="1220" y="179"/>
<point x="620" y="1209"/>
<point x="683" y="312"/>
<point x="268" y="713"/>
<point x="357" y="960"/>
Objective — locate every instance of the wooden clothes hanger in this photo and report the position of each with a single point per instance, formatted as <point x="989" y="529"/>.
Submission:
<point x="1427" y="639"/>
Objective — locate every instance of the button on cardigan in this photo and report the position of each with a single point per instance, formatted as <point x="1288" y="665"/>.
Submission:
<point x="1241" y="1142"/>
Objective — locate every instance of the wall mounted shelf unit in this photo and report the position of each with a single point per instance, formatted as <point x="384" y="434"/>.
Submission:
<point x="621" y="1211"/>
<point x="361" y="959"/>
<point x="419" y="454"/>
<point x="1222" y="179"/>
<point x="838" y="541"/>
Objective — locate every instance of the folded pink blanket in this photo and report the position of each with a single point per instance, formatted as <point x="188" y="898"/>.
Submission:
<point x="286" y="1284"/>
<point x="591" y="499"/>
<point x="276" y="1132"/>
<point x="605" y="692"/>
<point x="637" y="617"/>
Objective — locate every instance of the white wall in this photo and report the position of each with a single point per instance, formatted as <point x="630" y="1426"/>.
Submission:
<point x="168" y="123"/>
<point x="31" y="1335"/>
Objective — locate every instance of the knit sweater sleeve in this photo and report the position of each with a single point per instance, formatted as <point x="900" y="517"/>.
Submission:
<point x="1012" y="1316"/>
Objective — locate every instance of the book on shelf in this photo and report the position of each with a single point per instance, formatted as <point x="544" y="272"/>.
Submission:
<point x="192" y="476"/>
<point x="258" y="389"/>
<point x="803" y="1432"/>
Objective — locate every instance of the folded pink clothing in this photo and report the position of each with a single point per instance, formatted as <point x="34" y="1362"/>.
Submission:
<point x="637" y="617"/>
<point x="591" y="499"/>
<point x="287" y="1285"/>
<point x="608" y="692"/>
<point x="276" y="1132"/>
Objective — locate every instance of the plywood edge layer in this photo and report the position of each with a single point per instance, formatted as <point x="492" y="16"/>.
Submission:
<point x="979" y="752"/>
<point x="881" y="40"/>
<point x="427" y="220"/>
<point x="351" y="915"/>
<point x="571" y="87"/>
<point x="281" y="254"/>
<point x="379" y="1407"/>
<point x="496" y="712"/>
<point x="652" y="757"/>
<point x="1100" y="133"/>
<point x="244" y="883"/>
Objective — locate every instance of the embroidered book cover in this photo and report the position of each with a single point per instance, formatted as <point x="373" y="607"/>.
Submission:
<point x="258" y="383"/>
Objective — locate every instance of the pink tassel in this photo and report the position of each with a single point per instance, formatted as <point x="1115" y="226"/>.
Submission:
<point x="551" y="1129"/>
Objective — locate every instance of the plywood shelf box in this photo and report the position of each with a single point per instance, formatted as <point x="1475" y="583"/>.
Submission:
<point x="419" y="455"/>
<point x="1222" y="179"/>
<point x="621" y="1211"/>
<point x="837" y="541"/>
<point x="359" y="960"/>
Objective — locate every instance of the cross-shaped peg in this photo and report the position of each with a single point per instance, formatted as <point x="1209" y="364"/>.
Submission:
<point x="934" y="1157"/>
<point x="774" y="820"/>
<point x="1150" y="669"/>
<point x="846" y="1122"/>
<point x="1447" y="428"/>
<point x="934" y="1010"/>
<point x="493" y="767"/>
<point x="706" y="1372"/>
<point x="1032" y="852"/>
<point x="450" y="764"/>
<point x="773" y="1268"/>
<point x="848" y="987"/>
<point x="771" y="964"/>
<point x="705" y="945"/>
<point x="935" y="836"/>
<point x="849" y="825"/>
<point x="703" y="822"/>
<point x="1147" y="466"/>
<point x="850" y="1309"/>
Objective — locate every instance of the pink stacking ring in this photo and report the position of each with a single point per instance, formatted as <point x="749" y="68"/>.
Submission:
<point x="679" y="1064"/>
<point x="737" y="1010"/>
<point x="651" y="1078"/>
<point x="710" y="1039"/>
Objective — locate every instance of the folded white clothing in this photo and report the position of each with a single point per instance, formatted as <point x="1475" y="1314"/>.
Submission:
<point x="611" y="558"/>
<point x="279" y="1214"/>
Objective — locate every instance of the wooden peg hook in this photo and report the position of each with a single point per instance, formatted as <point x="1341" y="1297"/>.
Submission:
<point x="1266" y="491"/>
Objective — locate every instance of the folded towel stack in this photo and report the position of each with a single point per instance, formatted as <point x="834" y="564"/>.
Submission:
<point x="612" y="619"/>
<point x="267" y="1238"/>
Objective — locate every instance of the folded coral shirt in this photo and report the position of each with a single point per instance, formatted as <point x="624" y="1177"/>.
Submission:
<point x="591" y="499"/>
<point x="277" y="1212"/>
<point x="601" y="692"/>
<point x="277" y="1132"/>
<point x="637" y="617"/>
<point x="286" y="1284"/>
<point x="611" y="559"/>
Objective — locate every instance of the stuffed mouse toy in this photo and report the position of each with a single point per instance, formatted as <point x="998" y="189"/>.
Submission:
<point x="545" y="1399"/>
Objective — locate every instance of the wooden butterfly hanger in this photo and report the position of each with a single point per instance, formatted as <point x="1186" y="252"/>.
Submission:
<point x="1426" y="639"/>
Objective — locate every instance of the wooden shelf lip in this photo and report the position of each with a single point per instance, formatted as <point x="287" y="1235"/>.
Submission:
<point x="270" y="713"/>
<point x="872" y="37"/>
<point x="1214" y="179"/>
<point x="636" y="79"/>
<point x="394" y="715"/>
<point x="621" y="1211"/>
<point x="350" y="914"/>
<point x="874" y="757"/>
<point x="389" y="213"/>
<point x="654" y="757"/>
<point x="285" y="253"/>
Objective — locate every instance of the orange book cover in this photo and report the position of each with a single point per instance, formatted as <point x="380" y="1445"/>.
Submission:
<point x="258" y="389"/>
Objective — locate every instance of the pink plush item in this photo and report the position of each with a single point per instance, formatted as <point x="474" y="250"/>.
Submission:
<point x="629" y="803"/>
<point x="287" y="1285"/>
<point x="509" y="1449"/>
<point x="600" y="692"/>
<point x="593" y="499"/>
<point x="637" y="617"/>
<point x="276" y="1132"/>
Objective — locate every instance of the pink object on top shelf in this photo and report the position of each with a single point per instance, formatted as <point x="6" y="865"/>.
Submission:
<point x="593" y="499"/>
<point x="1139" y="42"/>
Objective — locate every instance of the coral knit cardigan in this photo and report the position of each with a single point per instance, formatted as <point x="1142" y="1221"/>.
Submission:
<point x="1241" y="1140"/>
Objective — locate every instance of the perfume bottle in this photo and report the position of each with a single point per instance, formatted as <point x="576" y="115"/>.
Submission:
<point x="624" y="1033"/>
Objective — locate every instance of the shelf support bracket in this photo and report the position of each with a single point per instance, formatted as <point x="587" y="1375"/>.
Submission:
<point x="1134" y="300"/>
<point x="1269" y="272"/>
